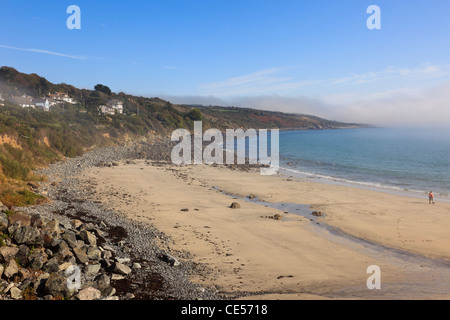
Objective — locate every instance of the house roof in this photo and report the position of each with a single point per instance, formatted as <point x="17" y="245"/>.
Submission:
<point x="39" y="100"/>
<point x="20" y="100"/>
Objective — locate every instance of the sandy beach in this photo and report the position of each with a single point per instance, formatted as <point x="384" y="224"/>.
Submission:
<point x="246" y="253"/>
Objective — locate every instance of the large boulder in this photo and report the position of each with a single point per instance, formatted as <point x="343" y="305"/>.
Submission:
<point x="28" y="235"/>
<point x="11" y="269"/>
<point x="56" y="285"/>
<point x="80" y="255"/>
<point x="25" y="220"/>
<point x="121" y="269"/>
<point x="89" y="293"/>
<point x="88" y="238"/>
<point x="7" y="253"/>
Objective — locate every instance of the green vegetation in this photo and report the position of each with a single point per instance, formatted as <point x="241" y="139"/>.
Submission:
<point x="103" y="89"/>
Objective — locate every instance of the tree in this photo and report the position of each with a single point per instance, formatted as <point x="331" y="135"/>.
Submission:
<point x="102" y="88"/>
<point x="195" y="115"/>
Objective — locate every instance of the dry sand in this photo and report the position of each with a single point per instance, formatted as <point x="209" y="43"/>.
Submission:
<point x="243" y="252"/>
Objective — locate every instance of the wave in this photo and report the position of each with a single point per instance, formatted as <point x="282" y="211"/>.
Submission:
<point x="368" y="184"/>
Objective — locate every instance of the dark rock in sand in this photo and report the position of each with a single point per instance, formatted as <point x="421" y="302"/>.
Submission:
<point x="235" y="205"/>
<point x="170" y="260"/>
<point x="317" y="213"/>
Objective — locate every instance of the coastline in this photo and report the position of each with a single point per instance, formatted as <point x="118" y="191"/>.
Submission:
<point x="244" y="253"/>
<point x="396" y="191"/>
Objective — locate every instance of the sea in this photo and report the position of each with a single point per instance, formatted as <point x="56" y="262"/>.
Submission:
<point x="395" y="160"/>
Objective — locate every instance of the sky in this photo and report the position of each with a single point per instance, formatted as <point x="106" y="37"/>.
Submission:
<point x="314" y="57"/>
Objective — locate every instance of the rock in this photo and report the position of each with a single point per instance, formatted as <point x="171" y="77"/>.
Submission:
<point x="80" y="255"/>
<point x="121" y="268"/>
<point x="94" y="253"/>
<point x="3" y="221"/>
<point x="102" y="281"/>
<point x="123" y="260"/>
<point x="28" y="235"/>
<point x="36" y="221"/>
<point x="170" y="260"/>
<point x="56" y="285"/>
<point x="109" y="248"/>
<point x="88" y="238"/>
<point x="89" y="293"/>
<point x="251" y="196"/>
<point x="107" y="291"/>
<point x="10" y="285"/>
<point x="76" y="223"/>
<point x="317" y="213"/>
<point x="13" y="228"/>
<point x="106" y="254"/>
<point x="129" y="296"/>
<point x="11" y="269"/>
<point x="92" y="269"/>
<point x="1" y="271"/>
<point x="8" y="253"/>
<point x="70" y="238"/>
<point x="16" y="293"/>
<point x="27" y="281"/>
<point x="52" y="265"/>
<point x="63" y="252"/>
<point x="235" y="205"/>
<point x="37" y="263"/>
<point x="25" y="220"/>
<point x="22" y="255"/>
<point x="136" y="266"/>
<point x="48" y="238"/>
<point x="117" y="277"/>
<point x="64" y="266"/>
<point x="52" y="226"/>
<point x="277" y="216"/>
<point x="185" y="209"/>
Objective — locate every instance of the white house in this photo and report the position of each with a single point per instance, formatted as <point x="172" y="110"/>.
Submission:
<point x="42" y="104"/>
<point x="105" y="109"/>
<point x="24" y="101"/>
<point x="116" y="104"/>
<point x="112" y="107"/>
<point x="61" y="97"/>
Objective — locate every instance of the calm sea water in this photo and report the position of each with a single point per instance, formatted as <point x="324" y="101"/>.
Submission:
<point x="398" y="160"/>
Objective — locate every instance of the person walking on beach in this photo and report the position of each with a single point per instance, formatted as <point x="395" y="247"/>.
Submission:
<point x="430" y="197"/>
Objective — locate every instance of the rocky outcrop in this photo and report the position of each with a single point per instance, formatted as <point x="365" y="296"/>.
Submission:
<point x="36" y="254"/>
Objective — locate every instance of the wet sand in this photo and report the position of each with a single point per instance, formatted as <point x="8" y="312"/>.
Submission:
<point x="245" y="252"/>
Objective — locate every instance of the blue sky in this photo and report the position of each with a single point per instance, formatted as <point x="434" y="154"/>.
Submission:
<point x="299" y="56"/>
